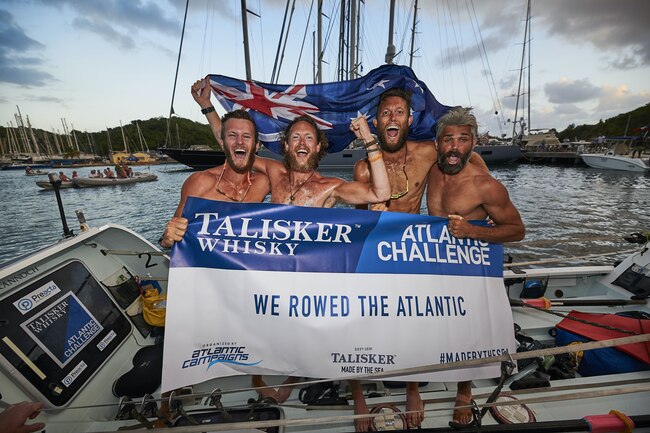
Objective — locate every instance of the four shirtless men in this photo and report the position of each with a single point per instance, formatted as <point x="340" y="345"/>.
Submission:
<point x="393" y="177"/>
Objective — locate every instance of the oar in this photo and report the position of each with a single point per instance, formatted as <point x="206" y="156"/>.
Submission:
<point x="605" y="423"/>
<point x="548" y="303"/>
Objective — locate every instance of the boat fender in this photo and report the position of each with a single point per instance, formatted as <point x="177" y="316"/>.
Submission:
<point x="145" y="376"/>
<point x="392" y="418"/>
<point x="533" y="289"/>
<point x="511" y="413"/>
<point x="615" y="421"/>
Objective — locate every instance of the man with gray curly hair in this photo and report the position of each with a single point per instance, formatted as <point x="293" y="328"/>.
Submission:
<point x="461" y="192"/>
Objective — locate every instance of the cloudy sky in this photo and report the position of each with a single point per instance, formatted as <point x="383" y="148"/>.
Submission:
<point x="98" y="62"/>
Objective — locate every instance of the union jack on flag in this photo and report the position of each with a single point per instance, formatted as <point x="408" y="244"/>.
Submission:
<point x="331" y="105"/>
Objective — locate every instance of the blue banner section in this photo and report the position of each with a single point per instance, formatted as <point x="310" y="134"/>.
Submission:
<point x="330" y="105"/>
<point x="270" y="237"/>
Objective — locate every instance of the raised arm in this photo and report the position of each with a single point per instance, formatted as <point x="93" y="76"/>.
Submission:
<point x="378" y="190"/>
<point x="201" y="94"/>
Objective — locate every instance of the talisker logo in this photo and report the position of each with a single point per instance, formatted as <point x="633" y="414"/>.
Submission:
<point x="236" y="355"/>
<point x="28" y="302"/>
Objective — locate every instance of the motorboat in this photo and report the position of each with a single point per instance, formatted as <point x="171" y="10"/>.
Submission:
<point x="615" y="158"/>
<point x="88" y="182"/>
<point x="73" y="336"/>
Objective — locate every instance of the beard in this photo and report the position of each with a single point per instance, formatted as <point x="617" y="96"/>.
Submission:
<point x="453" y="169"/>
<point x="236" y="165"/>
<point x="392" y="148"/>
<point x="292" y="163"/>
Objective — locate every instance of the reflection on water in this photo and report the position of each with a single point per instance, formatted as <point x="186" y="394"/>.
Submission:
<point x="568" y="211"/>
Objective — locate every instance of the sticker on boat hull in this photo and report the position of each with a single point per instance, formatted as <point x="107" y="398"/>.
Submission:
<point x="30" y="301"/>
<point x="75" y="373"/>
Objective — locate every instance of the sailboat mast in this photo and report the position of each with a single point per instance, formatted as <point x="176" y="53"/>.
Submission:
<point x="74" y="136"/>
<point x="126" y="147"/>
<point x="31" y="134"/>
<point x="341" y="56"/>
<point x="178" y="62"/>
<point x="353" y="39"/>
<point x="390" y="50"/>
<point x="244" y="24"/>
<point x="319" y="45"/>
<point x="529" y="64"/>
<point x="415" y="21"/>
<point x="521" y="74"/>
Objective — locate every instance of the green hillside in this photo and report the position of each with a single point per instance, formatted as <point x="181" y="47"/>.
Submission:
<point x="612" y="127"/>
<point x="183" y="133"/>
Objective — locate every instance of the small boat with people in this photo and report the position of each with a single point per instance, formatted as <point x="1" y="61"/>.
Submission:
<point x="80" y="334"/>
<point x="88" y="182"/>
<point x="615" y="157"/>
<point x="31" y="172"/>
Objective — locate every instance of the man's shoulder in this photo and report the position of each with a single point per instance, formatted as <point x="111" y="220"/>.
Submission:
<point x="203" y="177"/>
<point x="361" y="170"/>
<point x="424" y="148"/>
<point x="329" y="180"/>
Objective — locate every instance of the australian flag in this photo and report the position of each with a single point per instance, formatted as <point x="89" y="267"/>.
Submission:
<point x="331" y="105"/>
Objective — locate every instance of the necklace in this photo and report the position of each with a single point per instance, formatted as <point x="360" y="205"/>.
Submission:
<point x="402" y="193"/>
<point x="291" y="191"/>
<point x="228" y="196"/>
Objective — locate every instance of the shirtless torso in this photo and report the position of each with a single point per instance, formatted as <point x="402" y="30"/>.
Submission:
<point x="461" y="191"/>
<point x="473" y="194"/>
<point x="412" y="162"/>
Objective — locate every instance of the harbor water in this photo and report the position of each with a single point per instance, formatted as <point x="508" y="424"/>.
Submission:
<point x="568" y="211"/>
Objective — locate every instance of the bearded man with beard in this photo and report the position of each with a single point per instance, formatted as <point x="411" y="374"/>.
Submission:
<point x="461" y="192"/>
<point x="233" y="181"/>
<point x="408" y="164"/>
<point x="296" y="180"/>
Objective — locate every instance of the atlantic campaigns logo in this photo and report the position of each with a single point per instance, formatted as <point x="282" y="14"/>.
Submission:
<point x="236" y="355"/>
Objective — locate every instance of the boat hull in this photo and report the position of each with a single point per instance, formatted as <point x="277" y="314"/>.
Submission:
<point x="196" y="159"/>
<point x="85" y="182"/>
<point x="106" y="253"/>
<point x="615" y="162"/>
<point x="499" y="154"/>
<point x="46" y="185"/>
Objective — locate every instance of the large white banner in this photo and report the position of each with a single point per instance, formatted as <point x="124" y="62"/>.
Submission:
<point x="275" y="289"/>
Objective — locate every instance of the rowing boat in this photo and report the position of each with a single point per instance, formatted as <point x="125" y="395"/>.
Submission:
<point x="74" y="338"/>
<point x="88" y="182"/>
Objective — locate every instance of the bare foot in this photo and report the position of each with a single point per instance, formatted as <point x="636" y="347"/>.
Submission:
<point x="463" y="398"/>
<point x="360" y="407"/>
<point x="285" y="391"/>
<point x="414" y="406"/>
<point x="257" y="382"/>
